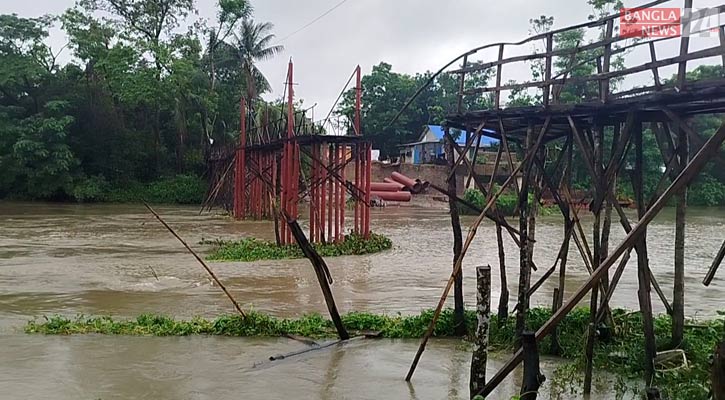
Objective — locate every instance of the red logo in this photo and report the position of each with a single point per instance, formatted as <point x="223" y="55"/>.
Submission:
<point x="650" y="22"/>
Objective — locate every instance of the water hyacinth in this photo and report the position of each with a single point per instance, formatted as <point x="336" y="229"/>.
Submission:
<point x="622" y="354"/>
<point x="251" y="249"/>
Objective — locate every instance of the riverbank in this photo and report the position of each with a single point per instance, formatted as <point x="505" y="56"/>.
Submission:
<point x="252" y="249"/>
<point x="622" y="355"/>
<point x="178" y="189"/>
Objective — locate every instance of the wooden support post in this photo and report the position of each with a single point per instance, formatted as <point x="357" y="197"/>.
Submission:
<point x="598" y="139"/>
<point x="717" y="372"/>
<point x="684" y="44"/>
<point x="706" y="153"/>
<point x="524" y="251"/>
<point x="547" y="68"/>
<point x="643" y="271"/>
<point x="459" y="318"/>
<point x="461" y="85"/>
<point x="568" y="231"/>
<point x="532" y="373"/>
<point x="555" y="298"/>
<point x="678" y="294"/>
<point x="322" y="272"/>
<point x="503" y="300"/>
<point x="480" y="342"/>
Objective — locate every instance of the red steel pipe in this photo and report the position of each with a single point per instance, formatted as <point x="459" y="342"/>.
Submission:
<point x="413" y="186"/>
<point x="386" y="187"/>
<point x="393" y="196"/>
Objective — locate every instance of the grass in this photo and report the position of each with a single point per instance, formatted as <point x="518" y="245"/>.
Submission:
<point x="623" y="355"/>
<point x="251" y="249"/>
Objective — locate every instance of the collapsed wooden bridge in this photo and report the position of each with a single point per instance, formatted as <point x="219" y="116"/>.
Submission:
<point x="601" y="130"/>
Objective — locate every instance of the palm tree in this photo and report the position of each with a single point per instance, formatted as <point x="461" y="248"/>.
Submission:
<point x="254" y="44"/>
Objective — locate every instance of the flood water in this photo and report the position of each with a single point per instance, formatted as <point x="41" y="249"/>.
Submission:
<point x="101" y="260"/>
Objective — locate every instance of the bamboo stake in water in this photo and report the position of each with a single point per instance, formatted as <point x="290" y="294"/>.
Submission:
<point x="203" y="264"/>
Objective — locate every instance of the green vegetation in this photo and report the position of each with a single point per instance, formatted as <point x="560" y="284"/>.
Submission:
<point x="150" y="90"/>
<point x="506" y="203"/>
<point x="181" y="189"/>
<point x="251" y="249"/>
<point x="622" y="355"/>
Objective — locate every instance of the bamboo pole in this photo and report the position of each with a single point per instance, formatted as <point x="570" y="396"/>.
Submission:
<point x="199" y="259"/>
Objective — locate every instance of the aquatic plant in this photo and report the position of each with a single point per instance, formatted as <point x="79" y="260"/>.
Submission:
<point x="622" y="355"/>
<point x="251" y="249"/>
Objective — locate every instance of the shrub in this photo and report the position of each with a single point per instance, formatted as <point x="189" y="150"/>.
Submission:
<point x="707" y="191"/>
<point x="91" y="189"/>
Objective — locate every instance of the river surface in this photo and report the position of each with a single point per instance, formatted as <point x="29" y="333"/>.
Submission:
<point x="101" y="260"/>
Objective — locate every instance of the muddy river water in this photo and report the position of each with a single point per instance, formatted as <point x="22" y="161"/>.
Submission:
<point x="98" y="260"/>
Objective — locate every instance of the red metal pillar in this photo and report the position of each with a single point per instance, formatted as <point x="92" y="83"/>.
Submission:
<point x="241" y="164"/>
<point x="343" y="190"/>
<point x="368" y="174"/>
<point x="359" y="213"/>
<point x="313" y="197"/>
<point x="323" y="191"/>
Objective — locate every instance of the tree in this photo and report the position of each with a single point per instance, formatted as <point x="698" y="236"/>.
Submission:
<point x="254" y="44"/>
<point x="35" y="155"/>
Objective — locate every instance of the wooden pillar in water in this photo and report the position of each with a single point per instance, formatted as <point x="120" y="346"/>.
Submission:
<point x="459" y="318"/>
<point x="480" y="341"/>
<point x="678" y="300"/>
<point x="503" y="300"/>
<point x="598" y="141"/>
<point x="568" y="227"/>
<point x="643" y="272"/>
<point x="524" y="259"/>
<point x="532" y="373"/>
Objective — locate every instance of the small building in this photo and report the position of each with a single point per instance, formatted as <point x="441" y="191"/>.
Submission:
<point x="429" y="148"/>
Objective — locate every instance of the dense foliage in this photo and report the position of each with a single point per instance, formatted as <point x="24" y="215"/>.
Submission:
<point x="251" y="249"/>
<point x="622" y="355"/>
<point x="142" y="102"/>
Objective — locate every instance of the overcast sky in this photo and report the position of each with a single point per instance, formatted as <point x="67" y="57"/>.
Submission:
<point x="412" y="35"/>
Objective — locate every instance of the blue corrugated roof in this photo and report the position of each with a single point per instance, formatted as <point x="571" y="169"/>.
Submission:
<point x="461" y="141"/>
